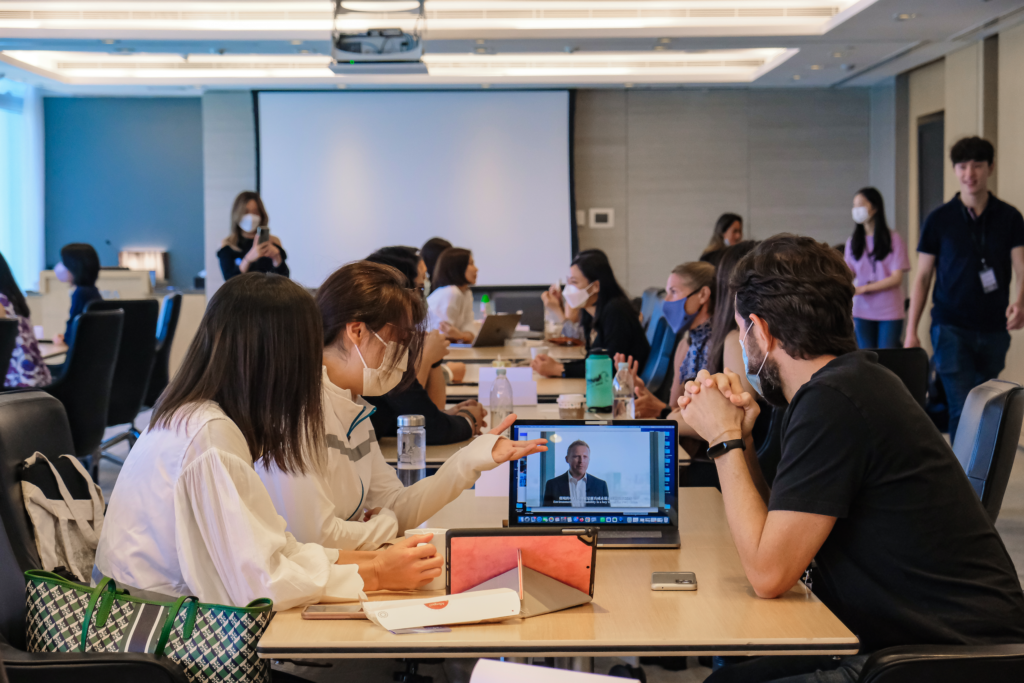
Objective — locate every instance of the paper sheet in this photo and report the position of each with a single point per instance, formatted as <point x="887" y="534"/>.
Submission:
<point x="493" y="671"/>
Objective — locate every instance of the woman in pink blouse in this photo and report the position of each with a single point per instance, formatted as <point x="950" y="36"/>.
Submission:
<point x="26" y="368"/>
<point x="878" y="259"/>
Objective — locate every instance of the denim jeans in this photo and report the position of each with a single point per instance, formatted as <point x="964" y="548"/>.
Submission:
<point x="963" y="360"/>
<point x="791" y="669"/>
<point x="878" y="334"/>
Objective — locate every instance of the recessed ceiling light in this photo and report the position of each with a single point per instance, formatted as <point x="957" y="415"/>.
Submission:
<point x="296" y="42"/>
<point x="904" y="16"/>
<point x="816" y="67"/>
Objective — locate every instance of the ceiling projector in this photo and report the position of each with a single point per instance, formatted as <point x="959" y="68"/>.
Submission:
<point x="379" y="50"/>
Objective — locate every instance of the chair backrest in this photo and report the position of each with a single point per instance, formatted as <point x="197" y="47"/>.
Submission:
<point x="647" y="301"/>
<point x="8" y="339"/>
<point x="659" y="363"/>
<point x="84" y="387"/>
<point x="652" y="324"/>
<point x="166" y="328"/>
<point x="945" y="664"/>
<point x="135" y="356"/>
<point x="911" y="366"/>
<point x="986" y="440"/>
<point x="12" y="596"/>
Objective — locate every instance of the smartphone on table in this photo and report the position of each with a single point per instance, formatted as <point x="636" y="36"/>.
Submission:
<point x="349" y="611"/>
<point x="673" y="581"/>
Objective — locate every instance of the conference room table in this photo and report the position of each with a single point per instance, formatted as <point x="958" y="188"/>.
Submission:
<point x="486" y="354"/>
<point x="626" y="618"/>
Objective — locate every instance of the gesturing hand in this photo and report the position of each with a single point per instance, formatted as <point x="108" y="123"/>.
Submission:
<point x="714" y="415"/>
<point x="505" y="449"/>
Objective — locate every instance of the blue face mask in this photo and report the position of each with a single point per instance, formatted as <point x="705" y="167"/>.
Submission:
<point x="754" y="379"/>
<point x="676" y="315"/>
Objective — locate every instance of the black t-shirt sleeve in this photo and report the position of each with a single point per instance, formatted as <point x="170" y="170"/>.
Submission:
<point x="824" y="455"/>
<point x="930" y="235"/>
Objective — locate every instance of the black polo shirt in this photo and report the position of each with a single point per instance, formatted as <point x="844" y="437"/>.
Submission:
<point x="958" y="242"/>
<point x="913" y="558"/>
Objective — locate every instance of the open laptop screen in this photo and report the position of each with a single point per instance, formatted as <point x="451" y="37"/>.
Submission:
<point x="595" y="472"/>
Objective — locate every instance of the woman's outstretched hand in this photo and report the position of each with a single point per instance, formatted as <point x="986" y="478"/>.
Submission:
<point x="506" y="449"/>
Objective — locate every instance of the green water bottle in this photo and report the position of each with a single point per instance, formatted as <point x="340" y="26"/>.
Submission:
<point x="600" y="394"/>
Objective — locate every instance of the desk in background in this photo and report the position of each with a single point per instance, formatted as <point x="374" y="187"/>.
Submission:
<point x="52" y="350"/>
<point x="626" y="618"/>
<point x="485" y="354"/>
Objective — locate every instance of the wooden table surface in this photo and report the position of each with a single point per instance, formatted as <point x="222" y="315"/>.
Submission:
<point x="485" y="354"/>
<point x="548" y="388"/>
<point x="723" y="616"/>
<point x="51" y="350"/>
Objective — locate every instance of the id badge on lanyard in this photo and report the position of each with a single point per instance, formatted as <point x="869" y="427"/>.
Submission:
<point x="988" y="278"/>
<point x="987" y="275"/>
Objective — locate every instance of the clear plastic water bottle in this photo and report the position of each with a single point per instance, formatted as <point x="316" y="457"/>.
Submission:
<point x="486" y="305"/>
<point x="625" y="408"/>
<point x="501" y="403"/>
<point x="412" y="449"/>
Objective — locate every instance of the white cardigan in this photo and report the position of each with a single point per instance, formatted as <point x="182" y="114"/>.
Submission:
<point x="450" y="304"/>
<point x="325" y="507"/>
<point x="189" y="516"/>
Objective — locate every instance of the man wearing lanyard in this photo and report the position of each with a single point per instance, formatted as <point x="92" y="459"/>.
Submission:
<point x="974" y="244"/>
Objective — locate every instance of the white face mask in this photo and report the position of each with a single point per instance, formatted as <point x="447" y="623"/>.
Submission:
<point x="576" y="297"/>
<point x="377" y="382"/>
<point x="860" y="215"/>
<point x="249" y="222"/>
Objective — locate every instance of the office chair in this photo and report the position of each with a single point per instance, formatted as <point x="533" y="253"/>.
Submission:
<point x="31" y="420"/>
<point x="84" y="387"/>
<point x="658" y="367"/>
<point x="911" y="366"/>
<point x="135" y="358"/>
<point x="8" y="340"/>
<point x="166" y="328"/>
<point x="652" y="324"/>
<point x="647" y="301"/>
<point x="986" y="441"/>
<point x="945" y="664"/>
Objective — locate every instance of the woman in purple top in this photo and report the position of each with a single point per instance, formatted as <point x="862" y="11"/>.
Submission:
<point x="878" y="259"/>
<point x="26" y="368"/>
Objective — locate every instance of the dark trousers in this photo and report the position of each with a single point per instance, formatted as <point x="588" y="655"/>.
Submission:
<point x="791" y="669"/>
<point x="964" y="359"/>
<point x="878" y="334"/>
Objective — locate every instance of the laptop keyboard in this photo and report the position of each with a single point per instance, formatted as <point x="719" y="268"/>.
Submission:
<point x="628" y="534"/>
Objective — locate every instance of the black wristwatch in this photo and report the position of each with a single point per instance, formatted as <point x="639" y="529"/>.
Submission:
<point x="720" y="449"/>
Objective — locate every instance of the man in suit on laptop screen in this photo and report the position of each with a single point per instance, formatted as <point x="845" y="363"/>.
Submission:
<point x="575" y="488"/>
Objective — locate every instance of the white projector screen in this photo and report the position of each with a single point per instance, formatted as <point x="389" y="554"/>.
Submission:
<point x="343" y="174"/>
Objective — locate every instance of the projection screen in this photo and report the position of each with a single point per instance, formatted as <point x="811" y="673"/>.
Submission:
<point x="345" y="173"/>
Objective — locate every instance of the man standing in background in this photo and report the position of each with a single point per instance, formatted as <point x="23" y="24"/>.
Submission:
<point x="974" y="244"/>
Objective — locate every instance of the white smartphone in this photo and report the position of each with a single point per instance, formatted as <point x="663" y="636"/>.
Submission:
<point x="673" y="581"/>
<point x="348" y="611"/>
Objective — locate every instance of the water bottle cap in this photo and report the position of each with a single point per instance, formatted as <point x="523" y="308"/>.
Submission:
<point x="499" y="372"/>
<point x="623" y="366"/>
<point x="411" y="421"/>
<point x="597" y="351"/>
<point x="485" y="298"/>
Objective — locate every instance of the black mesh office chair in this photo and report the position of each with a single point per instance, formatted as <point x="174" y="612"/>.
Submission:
<point x="32" y="420"/>
<point x="168" y="325"/>
<point x="911" y="366"/>
<point x="132" y="371"/>
<point x="84" y="387"/>
<point x="8" y="339"/>
<point x="986" y="440"/>
<point x="945" y="664"/>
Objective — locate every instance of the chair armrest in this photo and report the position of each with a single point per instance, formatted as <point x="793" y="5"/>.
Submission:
<point x="88" y="667"/>
<point x="943" y="663"/>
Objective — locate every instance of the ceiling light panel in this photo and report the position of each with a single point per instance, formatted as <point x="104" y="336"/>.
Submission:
<point x="101" y="68"/>
<point x="445" y="19"/>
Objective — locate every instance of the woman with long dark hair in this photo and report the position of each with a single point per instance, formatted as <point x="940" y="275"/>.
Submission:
<point x="431" y="251"/>
<point x="878" y="259"/>
<point x="27" y="368"/>
<point x="240" y="252"/>
<point x="728" y="231"/>
<point x="189" y="514"/>
<point x="372" y="337"/>
<point x="608" y="318"/>
<point x="450" y="300"/>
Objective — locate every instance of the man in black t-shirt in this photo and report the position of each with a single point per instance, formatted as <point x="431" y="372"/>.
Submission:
<point x="867" y="486"/>
<point x="973" y="244"/>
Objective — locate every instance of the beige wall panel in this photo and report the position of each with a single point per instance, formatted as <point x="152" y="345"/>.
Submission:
<point x="1010" y="155"/>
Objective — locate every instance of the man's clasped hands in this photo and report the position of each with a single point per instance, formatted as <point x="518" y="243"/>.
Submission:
<point x="717" y="407"/>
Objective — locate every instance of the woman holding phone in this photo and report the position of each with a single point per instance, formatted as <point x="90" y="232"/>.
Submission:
<point x="372" y="338"/>
<point x="189" y="515"/>
<point x="249" y="247"/>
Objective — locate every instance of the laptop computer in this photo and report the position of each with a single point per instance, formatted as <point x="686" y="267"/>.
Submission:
<point x="496" y="329"/>
<point x="617" y="476"/>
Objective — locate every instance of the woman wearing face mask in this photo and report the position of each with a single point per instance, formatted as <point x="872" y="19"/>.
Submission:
<point x="372" y="327"/>
<point x="608" y="318"/>
<point x="727" y="232"/>
<point x="450" y="300"/>
<point x="878" y="260"/>
<point x="689" y="305"/>
<point x="240" y="253"/>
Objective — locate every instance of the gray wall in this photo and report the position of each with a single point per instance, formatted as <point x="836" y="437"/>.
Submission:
<point x="670" y="162"/>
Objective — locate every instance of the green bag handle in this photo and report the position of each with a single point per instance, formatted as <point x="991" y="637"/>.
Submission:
<point x="107" y="590"/>
<point x="172" y="614"/>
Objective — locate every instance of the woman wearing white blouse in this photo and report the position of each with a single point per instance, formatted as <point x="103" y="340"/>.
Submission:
<point x="372" y="336"/>
<point x="450" y="300"/>
<point x="190" y="516"/>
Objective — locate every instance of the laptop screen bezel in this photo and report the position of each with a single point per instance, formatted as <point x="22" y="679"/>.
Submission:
<point x="671" y="496"/>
